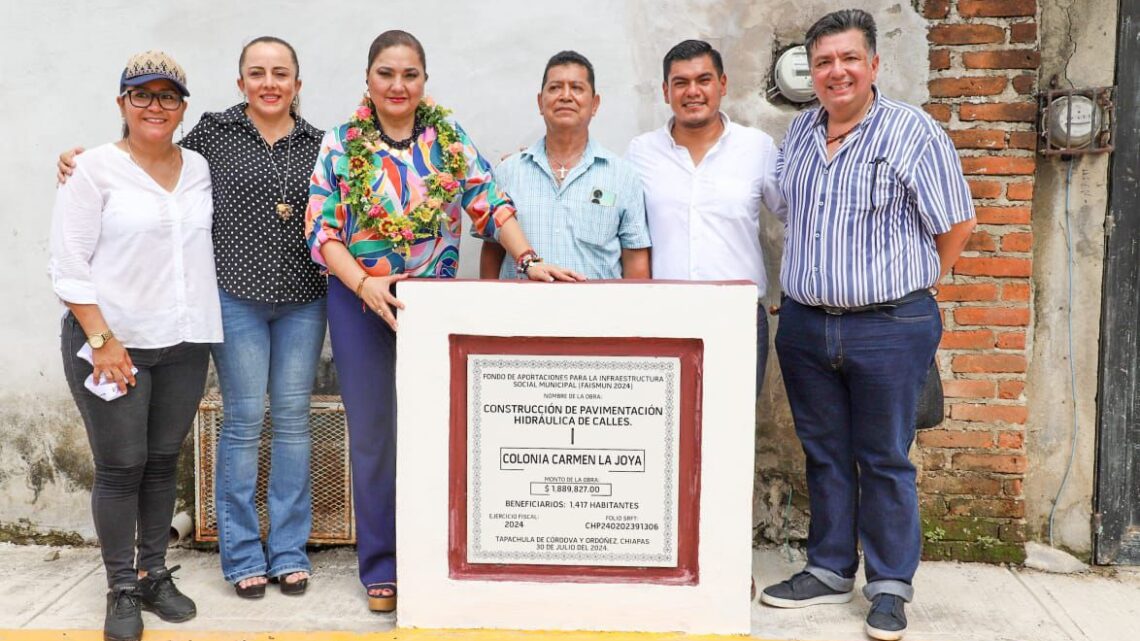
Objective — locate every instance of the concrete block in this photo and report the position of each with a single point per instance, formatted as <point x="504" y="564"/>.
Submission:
<point x="1047" y="559"/>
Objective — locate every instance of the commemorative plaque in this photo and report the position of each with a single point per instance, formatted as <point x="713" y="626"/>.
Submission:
<point x="573" y="459"/>
<point x="580" y="458"/>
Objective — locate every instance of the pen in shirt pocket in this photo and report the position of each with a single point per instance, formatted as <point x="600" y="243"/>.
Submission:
<point x="875" y="176"/>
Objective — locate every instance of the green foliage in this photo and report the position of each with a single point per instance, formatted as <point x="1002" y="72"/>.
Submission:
<point x="934" y="534"/>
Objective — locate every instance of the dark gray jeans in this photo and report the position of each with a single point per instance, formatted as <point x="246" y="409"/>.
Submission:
<point x="135" y="440"/>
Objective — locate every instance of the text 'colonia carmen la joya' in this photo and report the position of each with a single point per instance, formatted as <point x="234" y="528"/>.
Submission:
<point x="603" y="459"/>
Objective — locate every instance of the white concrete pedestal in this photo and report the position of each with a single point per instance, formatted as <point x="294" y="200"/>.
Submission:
<point x="692" y="346"/>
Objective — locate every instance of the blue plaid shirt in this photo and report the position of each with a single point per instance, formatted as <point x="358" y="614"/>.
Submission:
<point x="584" y="223"/>
<point x="861" y="227"/>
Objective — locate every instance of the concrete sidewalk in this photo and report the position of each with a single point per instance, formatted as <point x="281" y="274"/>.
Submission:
<point x="57" y="593"/>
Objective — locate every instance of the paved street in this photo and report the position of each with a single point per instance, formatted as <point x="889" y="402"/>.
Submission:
<point x="57" y="593"/>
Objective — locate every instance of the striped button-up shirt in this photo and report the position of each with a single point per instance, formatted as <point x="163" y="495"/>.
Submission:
<point x="861" y="226"/>
<point x="583" y="223"/>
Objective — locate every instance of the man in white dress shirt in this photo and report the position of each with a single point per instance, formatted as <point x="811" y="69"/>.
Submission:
<point x="705" y="177"/>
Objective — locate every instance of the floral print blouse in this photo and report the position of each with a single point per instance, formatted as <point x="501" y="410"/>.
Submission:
<point x="398" y="185"/>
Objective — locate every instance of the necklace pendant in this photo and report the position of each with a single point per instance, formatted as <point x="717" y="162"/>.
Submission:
<point x="562" y="171"/>
<point x="284" y="211"/>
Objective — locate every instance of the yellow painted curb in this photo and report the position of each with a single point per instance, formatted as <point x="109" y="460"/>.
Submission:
<point x="390" y="635"/>
<point x="535" y="635"/>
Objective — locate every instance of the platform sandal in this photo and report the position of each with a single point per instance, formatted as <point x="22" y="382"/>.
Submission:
<point x="295" y="588"/>
<point x="251" y="591"/>
<point x="381" y="603"/>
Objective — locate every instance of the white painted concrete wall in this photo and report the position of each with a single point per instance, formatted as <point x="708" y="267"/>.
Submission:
<point x="60" y="62"/>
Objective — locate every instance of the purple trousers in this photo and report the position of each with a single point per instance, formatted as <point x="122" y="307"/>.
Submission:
<point x="364" y="351"/>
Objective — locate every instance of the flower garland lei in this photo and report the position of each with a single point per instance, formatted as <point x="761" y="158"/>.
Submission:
<point x="400" y="229"/>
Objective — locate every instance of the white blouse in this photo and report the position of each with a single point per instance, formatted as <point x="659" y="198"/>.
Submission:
<point x="142" y="254"/>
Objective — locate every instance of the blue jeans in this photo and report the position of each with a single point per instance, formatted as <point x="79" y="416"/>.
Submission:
<point x="853" y="383"/>
<point x="272" y="347"/>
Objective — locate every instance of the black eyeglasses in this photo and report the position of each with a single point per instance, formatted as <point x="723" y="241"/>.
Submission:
<point x="141" y="99"/>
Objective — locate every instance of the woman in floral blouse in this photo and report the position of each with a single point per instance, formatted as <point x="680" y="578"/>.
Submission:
<point x="385" y="203"/>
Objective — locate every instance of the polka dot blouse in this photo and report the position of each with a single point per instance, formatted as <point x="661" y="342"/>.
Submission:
<point x="260" y="254"/>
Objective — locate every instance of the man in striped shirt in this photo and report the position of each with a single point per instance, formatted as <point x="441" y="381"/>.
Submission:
<point x="579" y="204"/>
<point x="878" y="211"/>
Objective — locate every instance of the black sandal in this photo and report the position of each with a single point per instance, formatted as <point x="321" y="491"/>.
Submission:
<point x="251" y="591"/>
<point x="296" y="588"/>
<point x="381" y="603"/>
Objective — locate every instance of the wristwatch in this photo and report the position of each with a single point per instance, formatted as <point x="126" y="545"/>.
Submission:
<point x="98" y="340"/>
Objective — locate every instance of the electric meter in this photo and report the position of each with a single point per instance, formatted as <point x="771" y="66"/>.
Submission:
<point x="793" y="75"/>
<point x="1072" y="121"/>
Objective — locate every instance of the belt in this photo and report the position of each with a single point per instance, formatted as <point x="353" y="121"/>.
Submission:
<point x="918" y="294"/>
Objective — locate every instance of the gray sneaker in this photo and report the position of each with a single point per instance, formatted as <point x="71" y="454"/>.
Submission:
<point x="802" y="590"/>
<point x="887" y="619"/>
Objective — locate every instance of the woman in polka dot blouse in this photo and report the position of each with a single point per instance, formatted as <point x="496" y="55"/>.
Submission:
<point x="261" y="154"/>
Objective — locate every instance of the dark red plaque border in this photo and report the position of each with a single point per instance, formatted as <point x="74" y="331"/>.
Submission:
<point x="691" y="354"/>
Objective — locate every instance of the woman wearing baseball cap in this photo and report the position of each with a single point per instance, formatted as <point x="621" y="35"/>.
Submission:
<point x="132" y="259"/>
<point x="261" y="154"/>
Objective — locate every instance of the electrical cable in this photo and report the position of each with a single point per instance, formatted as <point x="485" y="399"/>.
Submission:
<point x="787" y="514"/>
<point x="1072" y="366"/>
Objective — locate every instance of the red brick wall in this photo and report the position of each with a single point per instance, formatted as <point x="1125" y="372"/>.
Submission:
<point x="983" y="74"/>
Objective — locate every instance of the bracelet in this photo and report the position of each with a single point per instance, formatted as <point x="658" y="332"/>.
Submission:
<point x="360" y="284"/>
<point x="525" y="260"/>
<point x="530" y="263"/>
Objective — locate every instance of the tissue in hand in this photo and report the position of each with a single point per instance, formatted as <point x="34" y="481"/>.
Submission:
<point x="106" y="391"/>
